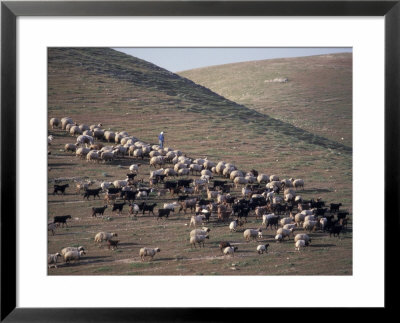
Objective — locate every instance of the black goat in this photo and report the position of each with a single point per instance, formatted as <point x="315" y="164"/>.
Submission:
<point x="272" y="221"/>
<point x="342" y="215"/>
<point x="219" y="183"/>
<point x="170" y="184"/>
<point x="335" y="207"/>
<point x="182" y="197"/>
<point x="335" y="230"/>
<point x="61" y="219"/>
<point x="163" y="212"/>
<point x="320" y="212"/>
<point x="98" y="210"/>
<point x="95" y="192"/>
<point x="114" y="190"/>
<point x="118" y="206"/>
<point x="131" y="175"/>
<point x="184" y="182"/>
<point x="146" y="207"/>
<point x="60" y="188"/>
<point x="128" y="195"/>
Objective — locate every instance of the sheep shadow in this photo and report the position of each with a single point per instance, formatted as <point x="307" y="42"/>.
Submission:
<point x="315" y="190"/>
<point x="85" y="261"/>
<point x="60" y="164"/>
<point x="321" y="245"/>
<point x="127" y="244"/>
<point x="167" y="259"/>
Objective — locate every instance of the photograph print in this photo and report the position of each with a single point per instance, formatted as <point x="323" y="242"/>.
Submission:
<point x="199" y="161"/>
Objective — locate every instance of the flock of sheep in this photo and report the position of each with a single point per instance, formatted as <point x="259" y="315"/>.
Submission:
<point x="276" y="201"/>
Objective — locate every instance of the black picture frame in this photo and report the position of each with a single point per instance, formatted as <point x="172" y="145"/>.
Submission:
<point x="10" y="10"/>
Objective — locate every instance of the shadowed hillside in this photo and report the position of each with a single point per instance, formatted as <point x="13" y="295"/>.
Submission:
<point x="317" y="96"/>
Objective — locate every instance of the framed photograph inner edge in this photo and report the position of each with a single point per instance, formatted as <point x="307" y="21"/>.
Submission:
<point x="10" y="12"/>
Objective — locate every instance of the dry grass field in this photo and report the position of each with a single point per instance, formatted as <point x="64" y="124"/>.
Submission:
<point x="125" y="93"/>
<point x="316" y="98"/>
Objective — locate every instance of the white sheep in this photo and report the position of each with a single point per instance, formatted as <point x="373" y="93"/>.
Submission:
<point x="195" y="168"/>
<point x="105" y="185"/>
<point x="310" y="225"/>
<point x="82" y="152"/>
<point x="75" y="130"/>
<point x="65" y="121"/>
<point x="261" y="248"/>
<point x="310" y="218"/>
<point x="297" y="183"/>
<point x="84" y="139"/>
<point x="303" y="236"/>
<point x="171" y="206"/>
<point x="148" y="252"/>
<point x="155" y="173"/>
<point x="196" y="220"/>
<point x="92" y="156"/>
<point x="233" y="225"/>
<point x="230" y="251"/>
<point x="198" y="239"/>
<point x="51" y="227"/>
<point x="286" y="220"/>
<point x="273" y="178"/>
<point x="286" y="183"/>
<point x="299" y="244"/>
<point x="107" y="156"/>
<point x="203" y="231"/>
<point x="290" y="226"/>
<point x="66" y="249"/>
<point x="250" y="179"/>
<point x="262" y="178"/>
<point x="298" y="199"/>
<point x="206" y="172"/>
<point x="100" y="236"/>
<point x="109" y="135"/>
<point x="120" y="183"/>
<point x="251" y="234"/>
<point x="52" y="259"/>
<point x="70" y="147"/>
<point x="240" y="181"/>
<point x="285" y="232"/>
<point x="134" y="168"/>
<point x="278" y="238"/>
<point x="54" y="123"/>
<point x="323" y="222"/>
<point x="266" y="217"/>
<point x="183" y="172"/>
<point x="299" y="219"/>
<point x="179" y="166"/>
<point x="73" y="255"/>
<point x="307" y="212"/>
<point x="246" y="191"/>
<point x="50" y="139"/>
<point x="236" y="173"/>
<point x="94" y="126"/>
<point x="212" y="194"/>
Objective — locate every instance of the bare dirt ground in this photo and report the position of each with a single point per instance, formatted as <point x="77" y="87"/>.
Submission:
<point x="325" y="256"/>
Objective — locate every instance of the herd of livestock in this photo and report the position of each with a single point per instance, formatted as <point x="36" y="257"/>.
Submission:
<point x="211" y="191"/>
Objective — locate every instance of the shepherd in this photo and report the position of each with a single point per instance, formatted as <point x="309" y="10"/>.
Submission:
<point x="161" y="139"/>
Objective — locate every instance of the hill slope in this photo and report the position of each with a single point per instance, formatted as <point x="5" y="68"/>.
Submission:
<point x="316" y="98"/>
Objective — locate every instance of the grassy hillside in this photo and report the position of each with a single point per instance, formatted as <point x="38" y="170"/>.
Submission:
<point x="94" y="85"/>
<point x="316" y="98"/>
